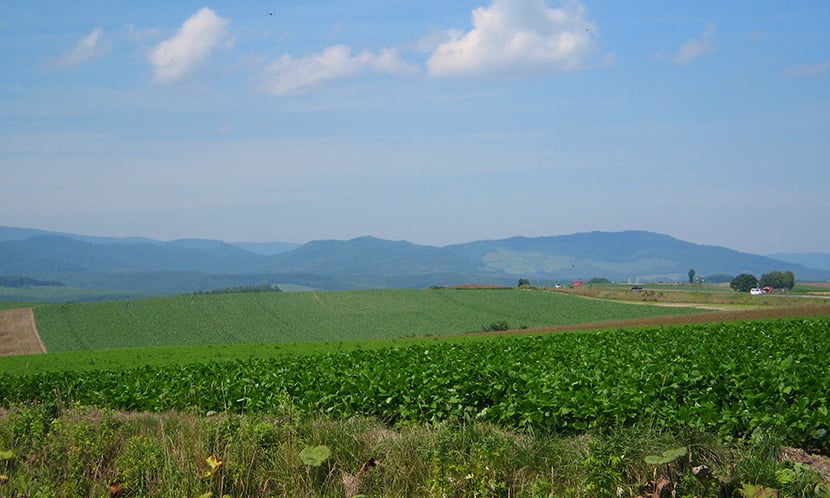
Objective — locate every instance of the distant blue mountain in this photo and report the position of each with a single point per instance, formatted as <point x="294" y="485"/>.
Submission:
<point x="624" y="255"/>
<point x="817" y="260"/>
<point x="367" y="262"/>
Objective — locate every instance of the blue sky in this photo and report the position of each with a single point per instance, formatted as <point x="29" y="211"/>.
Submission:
<point x="428" y="121"/>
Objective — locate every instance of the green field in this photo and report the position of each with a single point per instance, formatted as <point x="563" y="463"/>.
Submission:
<point x="392" y="375"/>
<point x="316" y="316"/>
<point x="727" y="378"/>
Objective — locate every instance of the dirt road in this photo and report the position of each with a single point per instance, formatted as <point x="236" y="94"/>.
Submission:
<point x="18" y="334"/>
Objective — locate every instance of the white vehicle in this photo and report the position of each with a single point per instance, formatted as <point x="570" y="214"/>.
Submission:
<point x="756" y="291"/>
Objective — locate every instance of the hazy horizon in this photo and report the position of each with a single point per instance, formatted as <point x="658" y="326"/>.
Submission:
<point x="281" y="242"/>
<point x="431" y="122"/>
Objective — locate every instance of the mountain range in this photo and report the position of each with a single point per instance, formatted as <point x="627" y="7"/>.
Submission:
<point x="187" y="265"/>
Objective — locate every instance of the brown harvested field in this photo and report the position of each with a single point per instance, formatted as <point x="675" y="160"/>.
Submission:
<point x="18" y="334"/>
<point x="477" y="286"/>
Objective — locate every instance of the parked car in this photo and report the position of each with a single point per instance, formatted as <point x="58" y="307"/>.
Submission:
<point x="756" y="291"/>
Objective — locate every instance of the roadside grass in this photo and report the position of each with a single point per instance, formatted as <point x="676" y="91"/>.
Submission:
<point x="89" y="452"/>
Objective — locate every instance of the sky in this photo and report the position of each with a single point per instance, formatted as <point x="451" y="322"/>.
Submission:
<point x="428" y="121"/>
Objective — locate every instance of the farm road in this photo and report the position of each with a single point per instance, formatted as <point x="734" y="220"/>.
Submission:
<point x="18" y="334"/>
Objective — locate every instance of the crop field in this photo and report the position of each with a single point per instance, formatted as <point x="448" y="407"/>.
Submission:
<point x="392" y="374"/>
<point x="727" y="378"/>
<point x="316" y="316"/>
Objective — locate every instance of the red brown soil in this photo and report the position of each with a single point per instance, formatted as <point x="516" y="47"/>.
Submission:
<point x="706" y="317"/>
<point x="18" y="334"/>
<point x="477" y="286"/>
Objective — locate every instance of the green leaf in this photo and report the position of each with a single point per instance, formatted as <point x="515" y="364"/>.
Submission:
<point x="314" y="456"/>
<point x="6" y="454"/>
<point x="752" y="491"/>
<point x="667" y="456"/>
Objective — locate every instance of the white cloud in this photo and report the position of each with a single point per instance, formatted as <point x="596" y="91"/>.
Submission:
<point x="92" y="45"/>
<point x="696" y="47"/>
<point x="288" y="75"/>
<point x="177" y="57"/>
<point x="517" y="37"/>
<point x="806" y="70"/>
<point x="141" y="35"/>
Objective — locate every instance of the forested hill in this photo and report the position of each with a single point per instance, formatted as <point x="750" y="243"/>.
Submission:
<point x="368" y="262"/>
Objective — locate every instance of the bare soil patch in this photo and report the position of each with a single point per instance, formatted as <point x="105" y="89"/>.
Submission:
<point x="18" y="334"/>
<point x="477" y="286"/>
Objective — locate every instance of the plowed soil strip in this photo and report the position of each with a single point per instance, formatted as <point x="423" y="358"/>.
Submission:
<point x="715" y="316"/>
<point x="18" y="334"/>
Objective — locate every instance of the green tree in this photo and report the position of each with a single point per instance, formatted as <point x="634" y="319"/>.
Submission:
<point x="743" y="282"/>
<point x="523" y="282"/>
<point x="692" y="274"/>
<point x="599" y="280"/>
<point x="778" y="280"/>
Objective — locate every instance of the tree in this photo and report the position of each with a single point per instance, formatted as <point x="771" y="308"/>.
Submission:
<point x="743" y="282"/>
<point x="778" y="280"/>
<point x="692" y="274"/>
<point x="523" y="282"/>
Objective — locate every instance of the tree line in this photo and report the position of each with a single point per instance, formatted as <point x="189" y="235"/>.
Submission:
<point x="776" y="279"/>
<point x="19" y="282"/>
<point x="241" y="289"/>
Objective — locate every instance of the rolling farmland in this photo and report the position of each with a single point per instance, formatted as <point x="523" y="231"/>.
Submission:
<point x="402" y="360"/>
<point x="316" y="316"/>
<point x="726" y="378"/>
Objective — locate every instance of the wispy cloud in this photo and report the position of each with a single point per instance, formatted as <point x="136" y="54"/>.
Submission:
<point x="517" y="37"/>
<point x="140" y="35"/>
<point x="806" y="70"/>
<point x="177" y="57"/>
<point x="89" y="47"/>
<point x="287" y="75"/>
<point x="696" y="47"/>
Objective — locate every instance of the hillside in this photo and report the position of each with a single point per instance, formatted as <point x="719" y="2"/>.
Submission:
<point x="817" y="260"/>
<point x="630" y="255"/>
<point x="119" y="266"/>
<point x="282" y="317"/>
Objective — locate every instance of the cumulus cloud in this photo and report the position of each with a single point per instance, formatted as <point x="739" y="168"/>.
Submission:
<point x="288" y="75"/>
<point x="696" y="47"/>
<point x="806" y="70"/>
<point x="517" y="37"/>
<point x="177" y="57"/>
<point x="92" y="45"/>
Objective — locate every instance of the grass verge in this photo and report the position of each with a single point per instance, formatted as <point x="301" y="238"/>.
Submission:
<point x="90" y="452"/>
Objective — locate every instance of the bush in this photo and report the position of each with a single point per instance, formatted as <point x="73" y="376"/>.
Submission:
<point x="496" y="326"/>
<point x="743" y="282"/>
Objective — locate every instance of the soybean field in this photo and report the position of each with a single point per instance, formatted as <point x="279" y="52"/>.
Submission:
<point x="727" y="378"/>
<point x="317" y="316"/>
